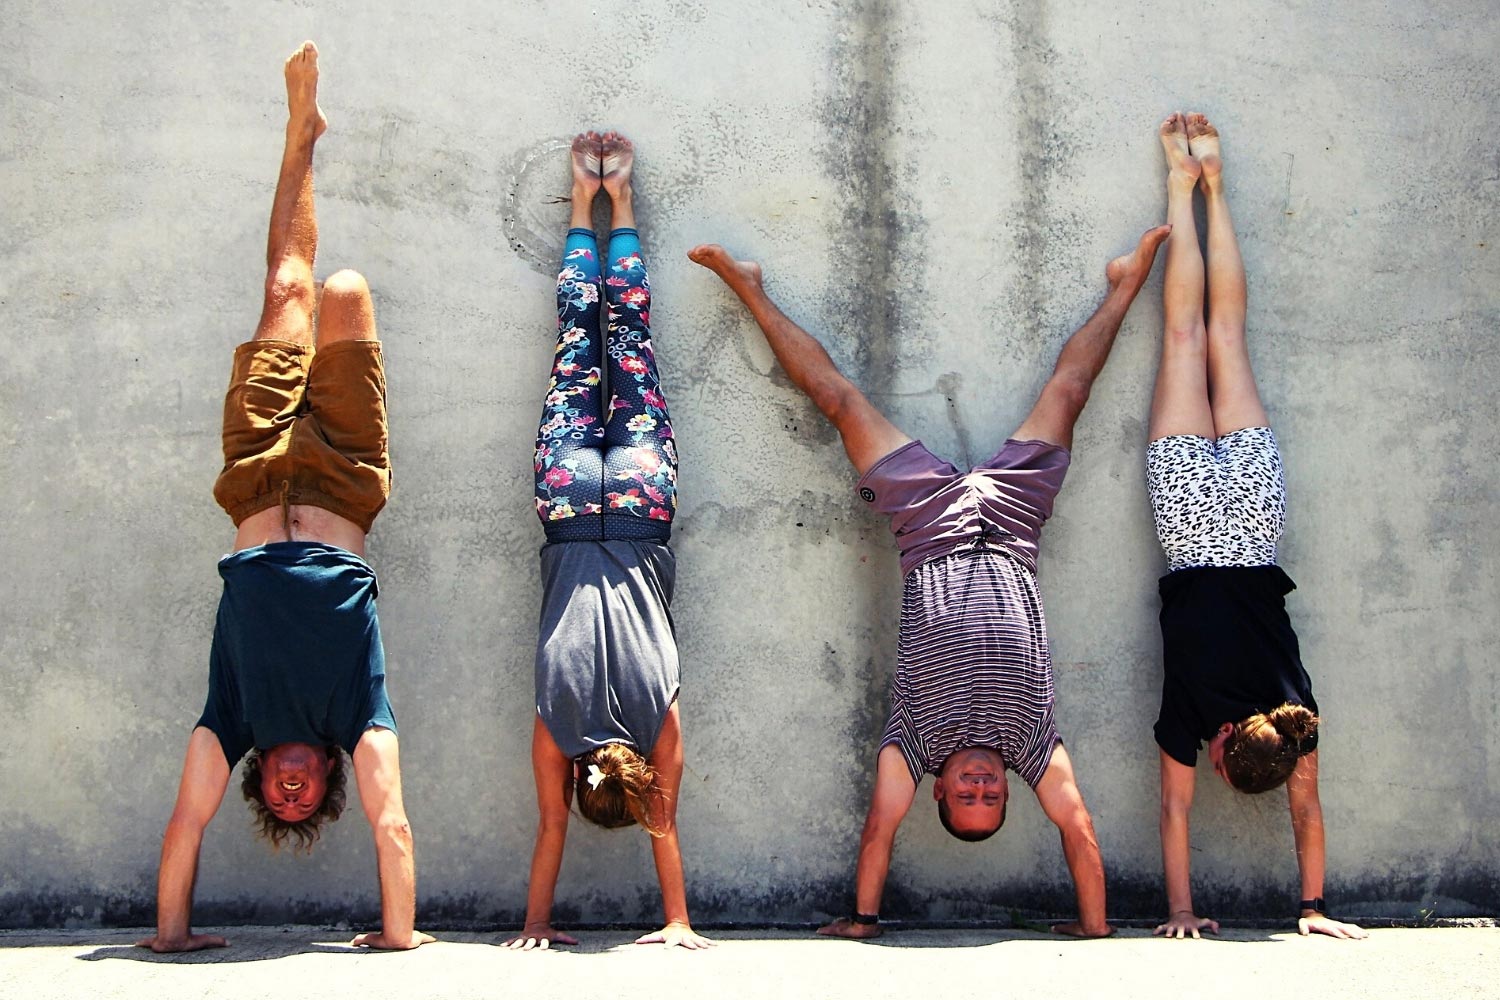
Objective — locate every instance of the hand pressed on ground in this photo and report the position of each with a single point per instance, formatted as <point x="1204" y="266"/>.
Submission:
<point x="539" y="938"/>
<point x="845" y="928"/>
<point x="193" y="942"/>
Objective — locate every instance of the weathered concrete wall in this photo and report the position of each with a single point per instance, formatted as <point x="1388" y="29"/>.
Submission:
<point x="934" y="189"/>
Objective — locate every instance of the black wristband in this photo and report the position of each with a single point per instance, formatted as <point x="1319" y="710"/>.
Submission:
<point x="1316" y="903"/>
<point x="866" y="919"/>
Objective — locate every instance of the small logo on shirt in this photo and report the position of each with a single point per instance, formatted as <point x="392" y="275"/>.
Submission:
<point x="866" y="494"/>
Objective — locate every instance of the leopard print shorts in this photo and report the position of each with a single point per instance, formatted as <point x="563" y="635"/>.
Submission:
<point x="1217" y="503"/>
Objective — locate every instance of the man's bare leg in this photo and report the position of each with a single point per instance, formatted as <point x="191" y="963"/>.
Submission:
<point x="868" y="436"/>
<point x="293" y="239"/>
<point x="1180" y="405"/>
<point x="1231" y="382"/>
<point x="1082" y="358"/>
<point x="345" y="312"/>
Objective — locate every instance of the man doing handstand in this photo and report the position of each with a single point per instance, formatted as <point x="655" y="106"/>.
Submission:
<point x="297" y="672"/>
<point x="973" y="688"/>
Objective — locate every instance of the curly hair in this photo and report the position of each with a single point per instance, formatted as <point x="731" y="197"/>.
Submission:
<point x="627" y="793"/>
<point x="277" y="830"/>
<point x="1263" y="750"/>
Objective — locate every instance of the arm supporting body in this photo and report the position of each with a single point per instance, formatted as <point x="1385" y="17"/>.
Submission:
<point x="377" y="770"/>
<point x="205" y="776"/>
<point x="1063" y="803"/>
<point x="667" y="761"/>
<point x="889" y="803"/>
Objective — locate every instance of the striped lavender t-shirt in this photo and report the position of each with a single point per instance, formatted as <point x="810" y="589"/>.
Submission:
<point x="973" y="667"/>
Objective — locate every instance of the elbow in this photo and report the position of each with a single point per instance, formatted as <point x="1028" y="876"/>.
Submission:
<point x="184" y="828"/>
<point x="1079" y="828"/>
<point x="879" y="829"/>
<point x="395" y="830"/>
<point x="552" y="822"/>
<point x="1308" y="814"/>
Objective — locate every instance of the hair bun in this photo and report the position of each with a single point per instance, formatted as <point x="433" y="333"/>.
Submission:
<point x="1296" y="724"/>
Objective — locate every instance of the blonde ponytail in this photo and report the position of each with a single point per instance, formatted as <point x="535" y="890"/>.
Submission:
<point x="616" y="787"/>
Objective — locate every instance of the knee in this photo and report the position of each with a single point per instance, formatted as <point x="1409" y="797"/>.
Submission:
<point x="345" y="311"/>
<point x="834" y="397"/>
<point x="1070" y="390"/>
<point x="345" y="288"/>
<point x="290" y="285"/>
<point x="1186" y="338"/>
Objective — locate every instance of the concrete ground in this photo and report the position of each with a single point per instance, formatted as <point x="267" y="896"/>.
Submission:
<point x="1450" y="963"/>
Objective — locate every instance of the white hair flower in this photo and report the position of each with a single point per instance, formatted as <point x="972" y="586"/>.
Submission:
<point x="595" y="778"/>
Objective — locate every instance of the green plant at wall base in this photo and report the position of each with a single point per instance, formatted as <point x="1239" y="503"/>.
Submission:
<point x="1020" y="923"/>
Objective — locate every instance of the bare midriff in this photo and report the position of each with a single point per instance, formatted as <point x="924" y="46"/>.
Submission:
<point x="302" y="523"/>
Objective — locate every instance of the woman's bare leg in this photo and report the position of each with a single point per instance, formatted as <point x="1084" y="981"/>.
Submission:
<point x="1231" y="382"/>
<point x="1181" y="404"/>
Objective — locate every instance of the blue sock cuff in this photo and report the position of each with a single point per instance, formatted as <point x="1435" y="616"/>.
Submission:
<point x="581" y="239"/>
<point x="623" y="243"/>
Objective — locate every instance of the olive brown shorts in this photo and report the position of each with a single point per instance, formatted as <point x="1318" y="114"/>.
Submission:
<point x="306" y="427"/>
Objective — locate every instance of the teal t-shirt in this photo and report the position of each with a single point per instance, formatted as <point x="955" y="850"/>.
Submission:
<point x="296" y="654"/>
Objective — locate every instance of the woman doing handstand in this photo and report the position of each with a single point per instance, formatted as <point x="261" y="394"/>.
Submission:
<point x="1234" y="674"/>
<point x="606" y="729"/>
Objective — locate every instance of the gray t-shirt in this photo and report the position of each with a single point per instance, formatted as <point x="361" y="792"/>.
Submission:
<point x="606" y="655"/>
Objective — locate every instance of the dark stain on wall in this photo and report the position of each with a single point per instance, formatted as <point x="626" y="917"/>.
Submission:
<point x="879" y="227"/>
<point x="1032" y="55"/>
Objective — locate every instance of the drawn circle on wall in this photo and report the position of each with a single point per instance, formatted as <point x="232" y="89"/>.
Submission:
<point x="866" y="494"/>
<point x="535" y="214"/>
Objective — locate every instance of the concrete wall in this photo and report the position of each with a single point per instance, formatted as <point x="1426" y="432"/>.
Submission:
<point x="934" y="189"/>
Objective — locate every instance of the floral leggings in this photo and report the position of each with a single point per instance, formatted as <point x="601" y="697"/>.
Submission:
<point x="605" y="472"/>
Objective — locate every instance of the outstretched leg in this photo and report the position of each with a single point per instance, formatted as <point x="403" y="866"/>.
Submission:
<point x="640" y="461"/>
<point x="1082" y="358"/>
<point x="293" y="238"/>
<point x="1181" y="403"/>
<point x="1231" y="382"/>
<point x="1217" y="496"/>
<point x="568" y="461"/>
<point x="868" y="436"/>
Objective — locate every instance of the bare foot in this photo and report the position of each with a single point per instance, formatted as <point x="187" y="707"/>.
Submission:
<point x="739" y="275"/>
<point x="619" y="160"/>
<point x="1203" y="143"/>
<point x="1174" y="140"/>
<point x="303" y="113"/>
<point x="586" y="161"/>
<point x="1131" y="269"/>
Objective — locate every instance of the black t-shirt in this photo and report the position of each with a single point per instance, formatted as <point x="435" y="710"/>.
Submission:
<point x="1229" y="652"/>
<point x="296" y="656"/>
